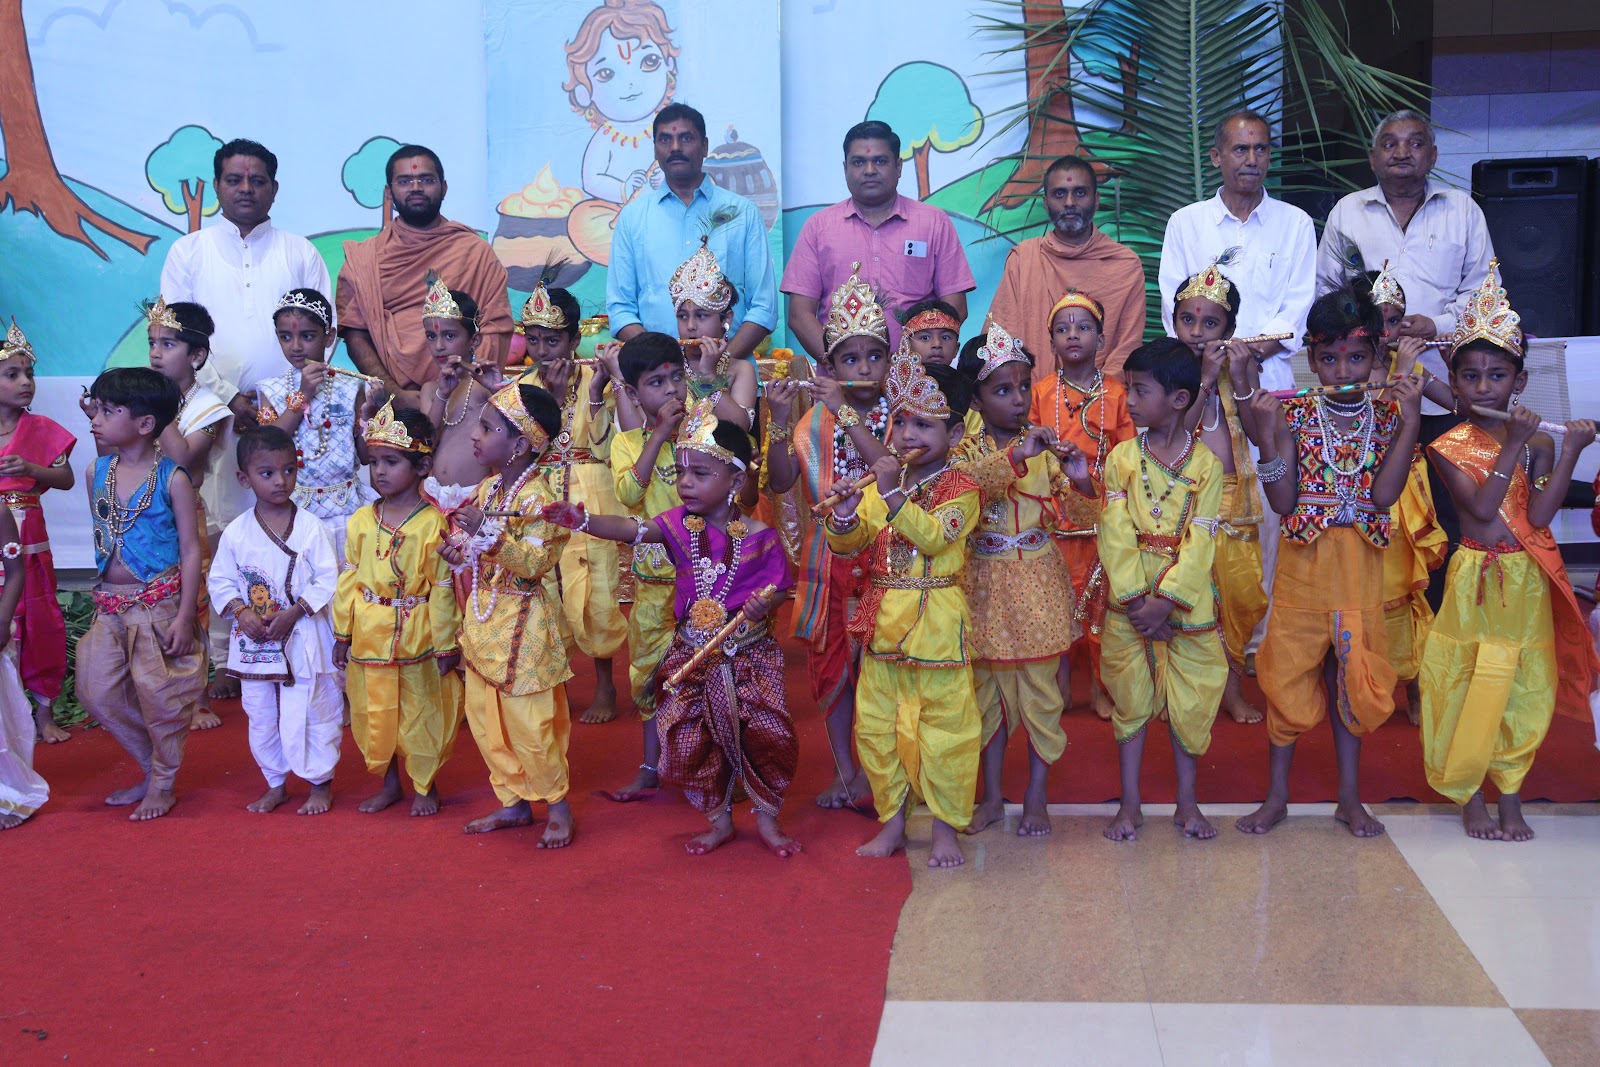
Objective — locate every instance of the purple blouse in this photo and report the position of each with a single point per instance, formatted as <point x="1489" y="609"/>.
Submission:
<point x="761" y="562"/>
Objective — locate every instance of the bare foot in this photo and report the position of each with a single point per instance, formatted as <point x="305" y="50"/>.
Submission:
<point x="1477" y="821"/>
<point x="1100" y="700"/>
<point x="889" y="840"/>
<point x="1035" y="814"/>
<point x="203" y="718"/>
<point x="1358" y="819"/>
<point x="1233" y="702"/>
<point x="721" y="833"/>
<point x="11" y="822"/>
<point x="131" y="795"/>
<point x="155" y="804"/>
<point x="1513" y="827"/>
<point x="842" y="795"/>
<point x="558" y="831"/>
<point x="1271" y="812"/>
<point x="423" y="804"/>
<point x="518" y="814"/>
<point x="782" y="845"/>
<point x="1250" y="664"/>
<point x="389" y="794"/>
<point x="986" y="814"/>
<point x="1125" y="826"/>
<point x="320" y="800"/>
<point x="1414" y="702"/>
<point x="644" y="784"/>
<point x="600" y="710"/>
<point x="946" y="851"/>
<point x="223" y="687"/>
<point x="345" y="721"/>
<point x="274" y="796"/>
<point x="1194" y="824"/>
<point x="45" y="728"/>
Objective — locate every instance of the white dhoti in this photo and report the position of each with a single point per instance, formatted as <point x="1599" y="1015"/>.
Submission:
<point x="22" y="790"/>
<point x="295" y="729"/>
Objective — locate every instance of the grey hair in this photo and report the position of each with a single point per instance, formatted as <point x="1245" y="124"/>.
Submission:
<point x="1237" y="114"/>
<point x="1405" y="114"/>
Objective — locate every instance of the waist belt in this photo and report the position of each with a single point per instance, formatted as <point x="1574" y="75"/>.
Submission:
<point x="1165" y="545"/>
<point x="20" y="501"/>
<point x="996" y="544"/>
<point x="405" y="603"/>
<point x="906" y="581"/>
<point x="742" y="638"/>
<point x="1092" y="531"/>
<point x="152" y="594"/>
<point x="1491" y="561"/>
<point x="562" y="459"/>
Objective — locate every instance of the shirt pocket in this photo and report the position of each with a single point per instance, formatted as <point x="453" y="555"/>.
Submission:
<point x="1443" y="263"/>
<point x="913" y="275"/>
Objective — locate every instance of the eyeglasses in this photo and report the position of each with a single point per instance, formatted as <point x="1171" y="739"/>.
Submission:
<point x="426" y="181"/>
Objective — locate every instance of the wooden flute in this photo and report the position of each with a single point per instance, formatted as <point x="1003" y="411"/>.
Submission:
<point x="353" y="374"/>
<point x="1329" y="390"/>
<point x="822" y="506"/>
<point x="1552" y="428"/>
<point x="713" y="644"/>
<point x="1262" y="338"/>
<point x="843" y="384"/>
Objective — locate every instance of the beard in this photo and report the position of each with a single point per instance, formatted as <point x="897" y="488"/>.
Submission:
<point x="418" y="214"/>
<point x="1071" y="225"/>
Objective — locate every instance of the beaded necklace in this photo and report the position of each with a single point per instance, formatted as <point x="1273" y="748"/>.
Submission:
<point x="902" y="553"/>
<point x="466" y="406"/>
<point x="847" y="462"/>
<point x="1145" y="458"/>
<point x="305" y="417"/>
<point x="496" y="500"/>
<point x="117" y="516"/>
<point x="1356" y="443"/>
<point x="395" y="536"/>
<point x="713" y="579"/>
<point x="1094" y="391"/>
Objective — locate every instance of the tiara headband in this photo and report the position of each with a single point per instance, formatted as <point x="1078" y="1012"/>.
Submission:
<point x="698" y="433"/>
<point x="298" y="301"/>
<point x="999" y="348"/>
<point x="931" y="319"/>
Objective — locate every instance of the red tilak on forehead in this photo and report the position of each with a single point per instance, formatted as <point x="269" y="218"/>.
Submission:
<point x="625" y="51"/>
<point x="414" y="165"/>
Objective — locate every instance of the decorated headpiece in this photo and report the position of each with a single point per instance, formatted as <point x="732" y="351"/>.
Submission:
<point x="911" y="388"/>
<point x="999" y="348"/>
<point x="390" y="432"/>
<point x="1211" y="284"/>
<point x="17" y="345"/>
<point x="540" y="310"/>
<point x="854" y="312"/>
<point x="931" y="319"/>
<point x="698" y="432"/>
<point x="507" y="400"/>
<point x="440" y="304"/>
<point x="159" y="314"/>
<point x="1075" y="299"/>
<point x="699" y="280"/>
<point x="294" y="300"/>
<point x="1488" y="317"/>
<point x="1386" y="289"/>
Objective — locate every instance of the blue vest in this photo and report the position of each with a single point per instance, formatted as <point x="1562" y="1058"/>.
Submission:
<point x="150" y="545"/>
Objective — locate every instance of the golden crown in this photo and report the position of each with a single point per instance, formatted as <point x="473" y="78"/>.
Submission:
<point x="1488" y="317"/>
<point x="390" y="432"/>
<point x="16" y="344"/>
<point x="540" y="310"/>
<point x="159" y="314"/>
<point x="999" y="348"/>
<point x="440" y="304"/>
<point x="1076" y="299"/>
<point x="1211" y="284"/>
<point x="854" y="312"/>
<point x="699" y="280"/>
<point x="508" y="402"/>
<point x="697" y="434"/>
<point x="911" y="389"/>
<point x="1386" y="289"/>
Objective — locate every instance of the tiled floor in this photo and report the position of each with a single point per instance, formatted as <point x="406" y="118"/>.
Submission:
<point x="1302" y="947"/>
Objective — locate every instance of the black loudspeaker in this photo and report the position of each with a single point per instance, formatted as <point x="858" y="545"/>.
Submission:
<point x="1591" y="289"/>
<point x="1538" y="211"/>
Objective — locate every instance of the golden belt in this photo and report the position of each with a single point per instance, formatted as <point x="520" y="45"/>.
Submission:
<point x="907" y="581"/>
<point x="570" y="456"/>
<point x="1165" y="545"/>
<point x="20" y="501"/>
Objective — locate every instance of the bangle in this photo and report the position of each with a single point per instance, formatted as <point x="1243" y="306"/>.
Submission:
<point x="896" y="491"/>
<point x="583" y="527"/>
<point x="847" y="417"/>
<point x="639" y="528"/>
<point x="1272" y="470"/>
<point x="843" y="523"/>
<point x="1247" y="396"/>
<point x="777" y="432"/>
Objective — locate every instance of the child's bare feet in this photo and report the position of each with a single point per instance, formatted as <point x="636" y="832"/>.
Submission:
<point x="274" y="796"/>
<point x="643" y="785"/>
<point x="889" y="840"/>
<point x="320" y="800"/>
<point x="721" y="833"/>
<point x="1035" y="813"/>
<point x="223" y="687"/>
<point x="45" y="728"/>
<point x="1194" y="823"/>
<point x="558" y="831"/>
<point x="946" y="851"/>
<point x="604" y="706"/>
<point x="1271" y="812"/>
<point x="1100" y="700"/>
<point x="986" y="813"/>
<point x="1233" y="702"/>
<point x="1513" y="827"/>
<point x="841" y="794"/>
<point x="131" y="795"/>
<point x="156" y="803"/>
<point x="383" y="798"/>
<point x="1477" y="821"/>
<point x="782" y="845"/>
<point x="201" y="717"/>
<point x="518" y="814"/>
<point x="1125" y="825"/>
<point x="1414" y="702"/>
<point x="423" y="804"/>
<point x="1358" y="819"/>
<point x="1249" y="664"/>
<point x="9" y="821"/>
<point x="345" y="721"/>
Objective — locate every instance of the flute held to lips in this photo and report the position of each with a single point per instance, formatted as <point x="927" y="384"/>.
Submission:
<point x="1552" y="428"/>
<point x="822" y="506"/>
<point x="1332" y="390"/>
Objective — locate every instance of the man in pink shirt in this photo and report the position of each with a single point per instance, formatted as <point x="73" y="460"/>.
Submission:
<point x="908" y="250"/>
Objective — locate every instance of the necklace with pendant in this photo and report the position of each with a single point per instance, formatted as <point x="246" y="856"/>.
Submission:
<point x="1145" y="459"/>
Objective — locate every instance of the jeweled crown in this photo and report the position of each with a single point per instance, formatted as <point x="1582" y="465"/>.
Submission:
<point x="1488" y="317"/>
<point x="507" y="400"/>
<point x="999" y="348"/>
<point x="698" y="432"/>
<point x="440" y="304"/>
<point x="389" y="432"/>
<point x="854" y="312"/>
<point x="540" y="310"/>
<point x="1210" y="284"/>
<point x="911" y="389"/>
<point x="16" y="344"/>
<point x="1386" y="289"/>
<point x="159" y="314"/>
<point x="700" y="281"/>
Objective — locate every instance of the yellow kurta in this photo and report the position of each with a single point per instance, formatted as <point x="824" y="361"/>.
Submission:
<point x="1158" y="538"/>
<point x="576" y="465"/>
<point x="511" y="642"/>
<point x="651" y="623"/>
<point x="1417" y="546"/>
<point x="1236" y="567"/>
<point x="918" y="728"/>
<point x="397" y="609"/>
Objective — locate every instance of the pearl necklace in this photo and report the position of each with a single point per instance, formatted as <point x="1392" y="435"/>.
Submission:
<point x="1172" y="482"/>
<point x="713" y="579"/>
<point x="466" y="406"/>
<point x="847" y="462"/>
<point x="1334" y="440"/>
<point x="323" y="427"/>
<point x="494" y="501"/>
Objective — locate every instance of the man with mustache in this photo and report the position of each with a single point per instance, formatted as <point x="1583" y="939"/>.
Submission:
<point x="385" y="279"/>
<point x="1072" y="254"/>
<point x="660" y="228"/>
<point x="908" y="250"/>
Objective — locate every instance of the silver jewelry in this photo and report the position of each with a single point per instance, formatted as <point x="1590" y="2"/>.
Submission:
<point x="1271" y="470"/>
<point x="638" y="536"/>
<point x="1247" y="396"/>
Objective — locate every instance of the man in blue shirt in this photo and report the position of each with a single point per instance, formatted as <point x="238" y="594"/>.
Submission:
<point x="661" y="227"/>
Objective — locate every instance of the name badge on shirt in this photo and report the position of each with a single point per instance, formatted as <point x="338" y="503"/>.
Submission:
<point x="918" y="249"/>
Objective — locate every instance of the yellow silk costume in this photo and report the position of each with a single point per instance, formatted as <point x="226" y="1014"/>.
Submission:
<point x="1417" y="546"/>
<point x="1158" y="538"/>
<point x="651" y="623"/>
<point x="397" y="609"/>
<point x="1019" y="594"/>
<point x="511" y="643"/>
<point x="918" y="727"/>
<point x="1236" y="564"/>
<point x="576" y="468"/>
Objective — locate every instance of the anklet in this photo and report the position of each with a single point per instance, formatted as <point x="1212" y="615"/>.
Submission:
<point x="647" y="767"/>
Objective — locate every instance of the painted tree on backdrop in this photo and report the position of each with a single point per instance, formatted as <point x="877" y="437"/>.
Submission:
<point x="31" y="182"/>
<point x="929" y="107"/>
<point x="364" y="177"/>
<point x="178" y="170"/>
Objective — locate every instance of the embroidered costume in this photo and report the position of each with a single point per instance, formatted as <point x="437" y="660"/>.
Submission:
<point x="41" y="631"/>
<point x="650" y="623"/>
<point x="329" y="484"/>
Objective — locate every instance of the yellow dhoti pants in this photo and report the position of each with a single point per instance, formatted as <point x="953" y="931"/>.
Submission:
<point x="1327" y="597"/>
<point x="1185" y="676"/>
<point x="1022" y="695"/>
<point x="1241" y="596"/>
<point x="405" y="709"/>
<point x="1488" y="674"/>
<point x="918" y="729"/>
<point x="523" y="739"/>
<point x="591" y="611"/>
<point x="650" y="628"/>
<point x="1406" y="625"/>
